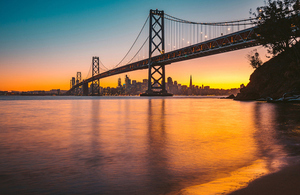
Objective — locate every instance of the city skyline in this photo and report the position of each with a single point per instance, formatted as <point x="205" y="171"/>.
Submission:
<point x="137" y="87"/>
<point x="42" y="50"/>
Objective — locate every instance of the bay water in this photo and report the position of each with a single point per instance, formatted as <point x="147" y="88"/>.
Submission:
<point x="142" y="145"/>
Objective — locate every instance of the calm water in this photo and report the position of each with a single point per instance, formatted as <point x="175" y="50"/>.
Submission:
<point x="134" y="145"/>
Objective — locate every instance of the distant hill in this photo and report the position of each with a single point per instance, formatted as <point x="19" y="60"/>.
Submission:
<point x="278" y="76"/>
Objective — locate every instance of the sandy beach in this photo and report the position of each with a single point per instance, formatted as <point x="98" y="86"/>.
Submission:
<point x="284" y="182"/>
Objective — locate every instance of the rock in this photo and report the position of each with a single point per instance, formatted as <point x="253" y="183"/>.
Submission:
<point x="230" y="97"/>
<point x="273" y="79"/>
<point x="247" y="96"/>
<point x="269" y="99"/>
<point x="262" y="99"/>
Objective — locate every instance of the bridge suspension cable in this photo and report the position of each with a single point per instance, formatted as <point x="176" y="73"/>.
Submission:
<point x="89" y="73"/>
<point x="235" y="22"/>
<point x="133" y="45"/>
<point x="138" y="51"/>
<point x="181" y="33"/>
<point x="181" y="38"/>
<point x="105" y="68"/>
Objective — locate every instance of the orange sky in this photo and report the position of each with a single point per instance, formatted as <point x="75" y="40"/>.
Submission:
<point x="228" y="70"/>
<point x="42" y="49"/>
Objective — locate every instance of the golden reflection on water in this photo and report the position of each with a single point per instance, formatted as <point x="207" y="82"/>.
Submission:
<point x="140" y="145"/>
<point x="216" y="138"/>
<point x="237" y="179"/>
<point x="252" y="146"/>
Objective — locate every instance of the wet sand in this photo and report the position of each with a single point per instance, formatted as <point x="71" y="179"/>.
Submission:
<point x="284" y="182"/>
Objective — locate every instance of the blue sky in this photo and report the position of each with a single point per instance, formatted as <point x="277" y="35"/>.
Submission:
<point x="60" y="37"/>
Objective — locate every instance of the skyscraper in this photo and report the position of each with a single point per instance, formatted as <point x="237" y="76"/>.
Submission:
<point x="127" y="81"/>
<point x="73" y="81"/>
<point x="191" y="83"/>
<point x="170" y="84"/>
<point x="119" y="82"/>
<point x="127" y="84"/>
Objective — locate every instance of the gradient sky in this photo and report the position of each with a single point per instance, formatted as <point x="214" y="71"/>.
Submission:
<point x="44" y="43"/>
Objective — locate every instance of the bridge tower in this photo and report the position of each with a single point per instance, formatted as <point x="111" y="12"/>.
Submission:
<point x="156" y="73"/>
<point x="95" y="86"/>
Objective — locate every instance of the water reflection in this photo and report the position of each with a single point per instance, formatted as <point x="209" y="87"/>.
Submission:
<point x="160" y="178"/>
<point x="95" y="135"/>
<point x="142" y="145"/>
<point x="262" y="147"/>
<point x="288" y="127"/>
<point x="266" y="136"/>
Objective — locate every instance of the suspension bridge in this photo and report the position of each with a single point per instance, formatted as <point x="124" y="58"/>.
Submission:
<point x="168" y="40"/>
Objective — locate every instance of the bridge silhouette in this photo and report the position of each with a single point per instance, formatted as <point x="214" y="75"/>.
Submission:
<point x="170" y="40"/>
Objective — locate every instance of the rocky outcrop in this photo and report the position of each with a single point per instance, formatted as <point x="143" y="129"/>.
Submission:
<point x="274" y="78"/>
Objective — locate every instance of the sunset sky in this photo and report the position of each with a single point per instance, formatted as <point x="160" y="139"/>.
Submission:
<point x="44" y="43"/>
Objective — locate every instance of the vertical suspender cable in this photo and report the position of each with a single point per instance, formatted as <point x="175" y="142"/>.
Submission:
<point x="201" y="33"/>
<point x="197" y="33"/>
<point x="192" y="34"/>
<point x="171" y="36"/>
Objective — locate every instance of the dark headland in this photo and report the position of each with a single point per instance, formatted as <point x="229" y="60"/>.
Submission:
<point x="278" y="77"/>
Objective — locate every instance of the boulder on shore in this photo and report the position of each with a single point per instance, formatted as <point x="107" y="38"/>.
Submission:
<point x="276" y="77"/>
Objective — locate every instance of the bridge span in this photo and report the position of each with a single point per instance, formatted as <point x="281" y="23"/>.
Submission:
<point x="156" y="64"/>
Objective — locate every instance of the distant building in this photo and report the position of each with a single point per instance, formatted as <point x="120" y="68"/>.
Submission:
<point x="145" y="85"/>
<point x="55" y="91"/>
<point x="3" y="92"/>
<point x="169" y="81"/>
<point x="39" y="92"/>
<point x="73" y="81"/>
<point x="135" y="88"/>
<point x="134" y="82"/>
<point x="119" y="82"/>
<point x="127" y="84"/>
<point x="127" y="81"/>
<point x="170" y="84"/>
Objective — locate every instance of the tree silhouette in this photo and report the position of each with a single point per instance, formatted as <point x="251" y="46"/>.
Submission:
<point x="254" y="59"/>
<point x="278" y="23"/>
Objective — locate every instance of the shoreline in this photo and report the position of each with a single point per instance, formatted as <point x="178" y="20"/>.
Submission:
<point x="285" y="181"/>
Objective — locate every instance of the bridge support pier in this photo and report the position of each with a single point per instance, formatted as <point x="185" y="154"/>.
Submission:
<point x="85" y="89"/>
<point x="156" y="73"/>
<point x="156" y="85"/>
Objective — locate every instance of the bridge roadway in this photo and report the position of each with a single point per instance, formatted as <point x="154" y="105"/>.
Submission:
<point x="234" y="41"/>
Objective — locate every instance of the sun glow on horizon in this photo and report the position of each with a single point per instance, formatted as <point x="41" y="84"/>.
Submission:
<point x="219" y="71"/>
<point x="44" y="50"/>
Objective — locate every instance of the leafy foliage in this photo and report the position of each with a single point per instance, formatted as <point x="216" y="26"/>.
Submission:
<point x="254" y="59"/>
<point x="278" y="23"/>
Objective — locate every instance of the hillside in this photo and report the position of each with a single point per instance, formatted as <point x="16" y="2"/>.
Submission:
<point x="278" y="76"/>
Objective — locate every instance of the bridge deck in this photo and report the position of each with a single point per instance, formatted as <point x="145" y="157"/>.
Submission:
<point x="234" y="41"/>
